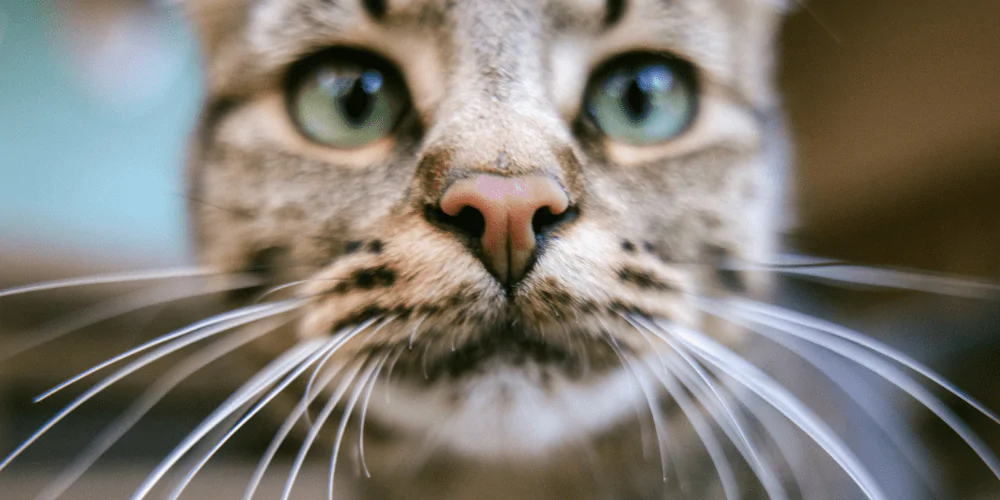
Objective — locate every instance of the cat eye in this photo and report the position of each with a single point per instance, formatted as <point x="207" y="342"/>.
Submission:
<point x="346" y="99"/>
<point x="643" y="99"/>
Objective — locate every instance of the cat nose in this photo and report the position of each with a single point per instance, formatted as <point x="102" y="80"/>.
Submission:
<point x="506" y="214"/>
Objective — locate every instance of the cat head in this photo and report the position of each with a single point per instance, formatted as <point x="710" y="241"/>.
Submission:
<point x="490" y="185"/>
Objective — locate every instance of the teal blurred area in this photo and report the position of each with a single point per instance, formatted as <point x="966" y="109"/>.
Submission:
<point x="95" y="109"/>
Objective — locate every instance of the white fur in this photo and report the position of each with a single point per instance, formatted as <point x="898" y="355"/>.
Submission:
<point x="504" y="414"/>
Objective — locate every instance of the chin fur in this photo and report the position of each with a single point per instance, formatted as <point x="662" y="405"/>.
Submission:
<point x="508" y="412"/>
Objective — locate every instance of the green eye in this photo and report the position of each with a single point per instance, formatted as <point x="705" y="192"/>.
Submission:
<point x="346" y="105"/>
<point x="643" y="99"/>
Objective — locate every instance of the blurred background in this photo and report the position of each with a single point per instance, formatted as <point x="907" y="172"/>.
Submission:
<point x="895" y="106"/>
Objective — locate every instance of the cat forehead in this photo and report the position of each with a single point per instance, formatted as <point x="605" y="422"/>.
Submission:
<point x="567" y="13"/>
<point x="584" y="12"/>
<point x="249" y="44"/>
<point x="216" y="19"/>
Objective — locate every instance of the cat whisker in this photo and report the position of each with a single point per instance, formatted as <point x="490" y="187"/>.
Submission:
<point x="733" y="427"/>
<point x="871" y="362"/>
<point x="206" y="445"/>
<point x="880" y="277"/>
<point x="701" y="427"/>
<point x="779" y="431"/>
<point x="855" y="337"/>
<point x="380" y="326"/>
<point x="119" y="306"/>
<point x="652" y="404"/>
<point x="214" y="320"/>
<point x="725" y="361"/>
<point x="114" y="278"/>
<point x="321" y="419"/>
<point x="644" y="431"/>
<point x="366" y="379"/>
<point x="321" y="357"/>
<point x="392" y="366"/>
<point x="416" y="330"/>
<point x="326" y="350"/>
<point x="271" y="291"/>
<point x="822" y="24"/>
<point x="292" y="284"/>
<point x="893" y="426"/>
<point x="150" y="398"/>
<point x="293" y="418"/>
<point x="364" y="412"/>
<point x="764" y="472"/>
<point x="294" y="360"/>
<point x="246" y="418"/>
<point x="642" y="332"/>
<point x="704" y="388"/>
<point x="345" y="337"/>
<point x="273" y="310"/>
<point x="651" y="345"/>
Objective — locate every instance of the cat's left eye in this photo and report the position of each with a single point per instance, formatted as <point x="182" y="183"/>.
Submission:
<point x="346" y="100"/>
<point x="643" y="99"/>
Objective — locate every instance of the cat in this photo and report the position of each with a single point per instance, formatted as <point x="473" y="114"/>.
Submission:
<point x="485" y="231"/>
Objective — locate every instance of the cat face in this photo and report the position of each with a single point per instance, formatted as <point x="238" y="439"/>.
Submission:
<point x="493" y="188"/>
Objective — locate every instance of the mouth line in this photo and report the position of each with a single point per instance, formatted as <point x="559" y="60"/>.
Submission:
<point x="509" y="346"/>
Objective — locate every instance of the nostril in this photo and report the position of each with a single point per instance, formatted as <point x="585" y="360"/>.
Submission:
<point x="545" y="221"/>
<point x="468" y="221"/>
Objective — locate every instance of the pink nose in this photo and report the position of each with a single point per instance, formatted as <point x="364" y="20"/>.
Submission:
<point x="508" y="206"/>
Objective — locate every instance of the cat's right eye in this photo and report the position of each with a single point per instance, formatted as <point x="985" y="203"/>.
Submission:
<point x="643" y="99"/>
<point x="346" y="99"/>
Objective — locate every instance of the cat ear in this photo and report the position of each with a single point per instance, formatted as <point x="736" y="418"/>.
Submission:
<point x="215" y="21"/>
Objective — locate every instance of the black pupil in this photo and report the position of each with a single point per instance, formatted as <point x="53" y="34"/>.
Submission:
<point x="635" y="102"/>
<point x="356" y="103"/>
